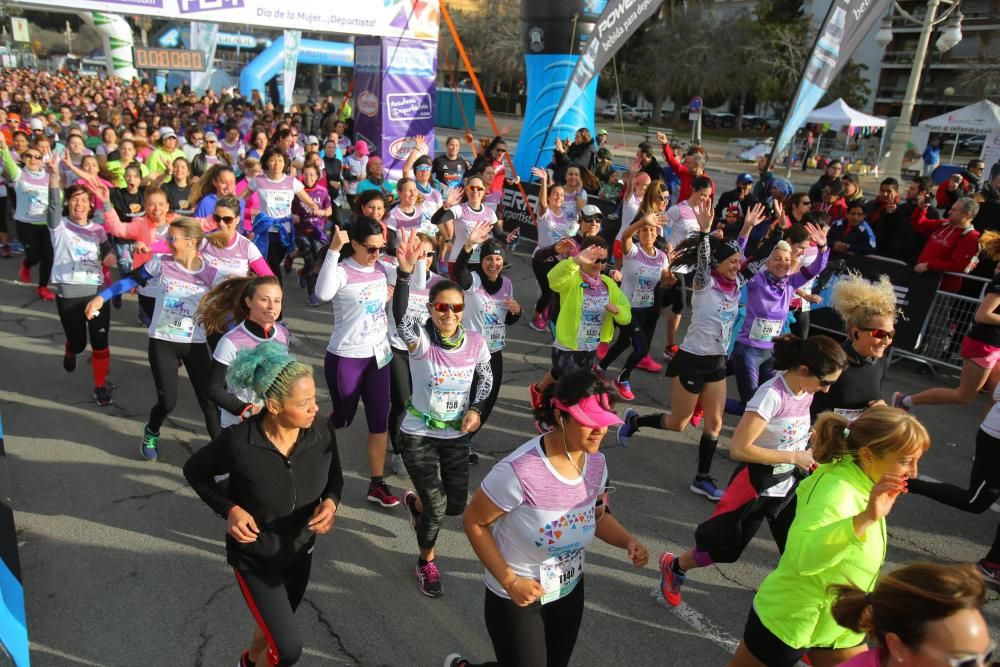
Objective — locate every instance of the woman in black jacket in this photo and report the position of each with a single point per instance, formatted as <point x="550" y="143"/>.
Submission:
<point x="284" y="488"/>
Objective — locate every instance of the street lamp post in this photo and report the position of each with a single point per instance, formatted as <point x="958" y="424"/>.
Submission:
<point x="900" y="137"/>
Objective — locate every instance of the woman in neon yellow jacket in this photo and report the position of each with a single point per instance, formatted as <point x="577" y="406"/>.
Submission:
<point x="586" y="299"/>
<point x="838" y="537"/>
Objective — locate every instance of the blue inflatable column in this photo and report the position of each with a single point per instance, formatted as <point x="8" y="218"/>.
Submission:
<point x="552" y="33"/>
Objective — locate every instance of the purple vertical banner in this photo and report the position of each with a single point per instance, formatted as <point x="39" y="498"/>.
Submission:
<point x="368" y="92"/>
<point x="410" y="68"/>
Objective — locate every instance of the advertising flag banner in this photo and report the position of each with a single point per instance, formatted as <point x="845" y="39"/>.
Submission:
<point x="291" y="60"/>
<point x="846" y="24"/>
<point x="407" y="99"/>
<point x="204" y="38"/>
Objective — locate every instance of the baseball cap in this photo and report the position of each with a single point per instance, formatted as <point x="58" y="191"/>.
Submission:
<point x="602" y="131"/>
<point x="167" y="132"/>
<point x="37" y="124"/>
<point x="312" y="139"/>
<point x="211" y="136"/>
<point x="782" y="186"/>
<point x="744" y="179"/>
<point x="361" y="148"/>
<point x="591" y="211"/>
<point x="593" y="411"/>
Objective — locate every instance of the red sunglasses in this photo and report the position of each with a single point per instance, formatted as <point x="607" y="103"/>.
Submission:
<point x="445" y="307"/>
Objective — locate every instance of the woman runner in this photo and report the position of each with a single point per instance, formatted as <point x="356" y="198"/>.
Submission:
<point x="284" y="488"/>
<point x="699" y="368"/>
<point x="838" y="537"/>
<point x="553" y="226"/>
<point x="174" y="332"/>
<point x="31" y="191"/>
<point x="80" y="250"/>
<point x="358" y="354"/>
<point x="310" y="231"/>
<point x="242" y="312"/>
<point x="454" y="219"/>
<point x="771" y="440"/>
<point x="518" y="521"/>
<point x="489" y="296"/>
<point x="451" y="376"/>
<point x="644" y="271"/>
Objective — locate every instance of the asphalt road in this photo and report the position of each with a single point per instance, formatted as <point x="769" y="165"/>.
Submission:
<point x="124" y="566"/>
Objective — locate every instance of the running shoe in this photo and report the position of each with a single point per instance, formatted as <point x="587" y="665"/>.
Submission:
<point x="69" y="362"/>
<point x="647" y="364"/>
<point x="624" y="389"/>
<point x="705" y="486"/>
<point x="5" y="251"/>
<point x="670" y="352"/>
<point x="670" y="581"/>
<point x="149" y="446"/>
<point x="24" y="273"/>
<point x="429" y="579"/>
<point x="398" y="468"/>
<point x="897" y="400"/>
<point x="602" y="351"/>
<point x="537" y="323"/>
<point x="379" y="493"/>
<point x="455" y="660"/>
<point x="536" y="396"/>
<point x="697" y="415"/>
<point x="626" y="430"/>
<point x="245" y="660"/>
<point x="102" y="396"/>
<point x="313" y="300"/>
<point x="410" y="503"/>
<point x="473" y="454"/>
<point x="45" y="294"/>
<point x="990" y="572"/>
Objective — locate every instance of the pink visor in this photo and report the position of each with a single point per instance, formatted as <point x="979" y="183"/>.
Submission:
<point x="593" y="411"/>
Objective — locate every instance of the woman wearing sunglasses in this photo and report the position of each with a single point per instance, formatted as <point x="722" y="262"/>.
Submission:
<point x="839" y="537"/>
<point x="358" y="354"/>
<point x="451" y="377"/>
<point x="590" y="304"/>
<point x="924" y="614"/>
<point x="420" y="167"/>
<point x="272" y="229"/>
<point x="454" y="220"/>
<point x="771" y="441"/>
<point x="401" y="387"/>
<point x="175" y="334"/>
<point x="534" y="571"/>
<point x="491" y="306"/>
<point x="31" y="192"/>
<point x="241" y="313"/>
<point x="869" y="313"/>
<point x="81" y="252"/>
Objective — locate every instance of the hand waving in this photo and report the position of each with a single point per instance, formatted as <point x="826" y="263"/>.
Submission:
<point x="478" y="234"/>
<point x="754" y="216"/>
<point x="453" y="196"/>
<point x="705" y="216"/>
<point x="817" y="234"/>
<point x="408" y="250"/>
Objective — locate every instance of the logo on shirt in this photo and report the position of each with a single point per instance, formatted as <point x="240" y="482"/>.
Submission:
<point x="553" y="532"/>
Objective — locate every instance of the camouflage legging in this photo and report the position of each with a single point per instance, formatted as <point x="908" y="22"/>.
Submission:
<point x="442" y="494"/>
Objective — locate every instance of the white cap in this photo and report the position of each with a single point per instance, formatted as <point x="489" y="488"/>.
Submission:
<point x="591" y="211"/>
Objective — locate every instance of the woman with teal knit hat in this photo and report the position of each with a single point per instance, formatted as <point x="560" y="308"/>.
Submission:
<point x="838" y="537"/>
<point x="284" y="488"/>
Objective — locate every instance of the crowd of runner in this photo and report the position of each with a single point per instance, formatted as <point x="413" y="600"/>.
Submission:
<point x="214" y="209"/>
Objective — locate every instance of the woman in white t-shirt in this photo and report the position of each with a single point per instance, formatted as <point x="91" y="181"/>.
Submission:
<point x="772" y="441"/>
<point x="455" y="219"/>
<point x="272" y="227"/>
<point x="451" y="378"/>
<point x="533" y="518"/>
<point x="554" y="225"/>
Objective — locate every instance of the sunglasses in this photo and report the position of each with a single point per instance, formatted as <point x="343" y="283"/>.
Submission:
<point x="228" y="219"/>
<point x="475" y="188"/>
<point x="601" y="260"/>
<point x="175" y="239"/>
<point x="881" y="334"/>
<point x="32" y="156"/>
<point x="824" y="382"/>
<point x="424" y="168"/>
<point x="965" y="661"/>
<point x="374" y="250"/>
<point x="445" y="307"/>
<point x="501" y="151"/>
<point x="805" y="202"/>
<point x="208" y="141"/>
<point x="426" y="255"/>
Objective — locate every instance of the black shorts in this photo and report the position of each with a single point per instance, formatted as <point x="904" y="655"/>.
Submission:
<point x="565" y="362"/>
<point x="695" y="370"/>
<point x="766" y="647"/>
<point x="675" y="297"/>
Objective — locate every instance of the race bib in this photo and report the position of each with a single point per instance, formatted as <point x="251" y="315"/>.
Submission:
<point x="851" y="415"/>
<point x="765" y="329"/>
<point x="382" y="353"/>
<point x="37" y="205"/>
<point x="559" y="575"/>
<point x="447" y="405"/>
<point x="495" y="335"/>
<point x="589" y="335"/>
<point x="176" y="320"/>
<point x="794" y="446"/>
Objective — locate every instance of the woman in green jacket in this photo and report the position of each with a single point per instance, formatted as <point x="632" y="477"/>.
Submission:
<point x="590" y="304"/>
<point x="838" y="537"/>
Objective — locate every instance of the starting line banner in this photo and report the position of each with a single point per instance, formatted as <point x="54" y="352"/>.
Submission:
<point x="413" y="19"/>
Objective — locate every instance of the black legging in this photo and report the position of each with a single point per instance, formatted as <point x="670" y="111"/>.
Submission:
<point x="800" y="327"/>
<point x="541" y="270"/>
<point x="309" y="250"/>
<point x="78" y="328"/>
<point x="276" y="252"/>
<point x="37" y="249"/>
<point x="400" y="389"/>
<point x="983" y="490"/>
<point x="536" y="635"/>
<point x="273" y="598"/>
<point x="639" y="334"/>
<point x="163" y="356"/>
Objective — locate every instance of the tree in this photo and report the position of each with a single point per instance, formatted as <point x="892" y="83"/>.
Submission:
<point x="851" y="85"/>
<point x="781" y="58"/>
<point x="492" y="38"/>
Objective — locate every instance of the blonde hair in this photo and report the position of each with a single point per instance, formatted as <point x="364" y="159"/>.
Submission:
<point x="989" y="242"/>
<point x="881" y="429"/>
<point x="781" y="245"/>
<point x="858" y="301"/>
<point x="190" y="227"/>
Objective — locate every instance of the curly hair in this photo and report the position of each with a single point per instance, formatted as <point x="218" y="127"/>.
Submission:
<point x="858" y="300"/>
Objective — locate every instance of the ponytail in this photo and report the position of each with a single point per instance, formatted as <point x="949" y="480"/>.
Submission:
<point x="820" y="354"/>
<point x="881" y="429"/>
<point x="225" y="304"/>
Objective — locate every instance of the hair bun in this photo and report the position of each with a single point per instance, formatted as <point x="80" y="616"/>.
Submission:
<point x="256" y="368"/>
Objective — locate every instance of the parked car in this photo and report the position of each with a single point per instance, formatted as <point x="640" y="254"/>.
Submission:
<point x="971" y="144"/>
<point x="642" y="115"/>
<point x="609" y="111"/>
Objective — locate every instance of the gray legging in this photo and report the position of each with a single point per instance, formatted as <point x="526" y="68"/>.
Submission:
<point x="443" y="494"/>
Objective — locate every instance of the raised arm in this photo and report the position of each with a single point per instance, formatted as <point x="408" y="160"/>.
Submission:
<point x="9" y="166"/>
<point x="53" y="212"/>
<point x="543" y="190"/>
<point x="406" y="258"/>
<point x="329" y="281"/>
<point x="419" y="149"/>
